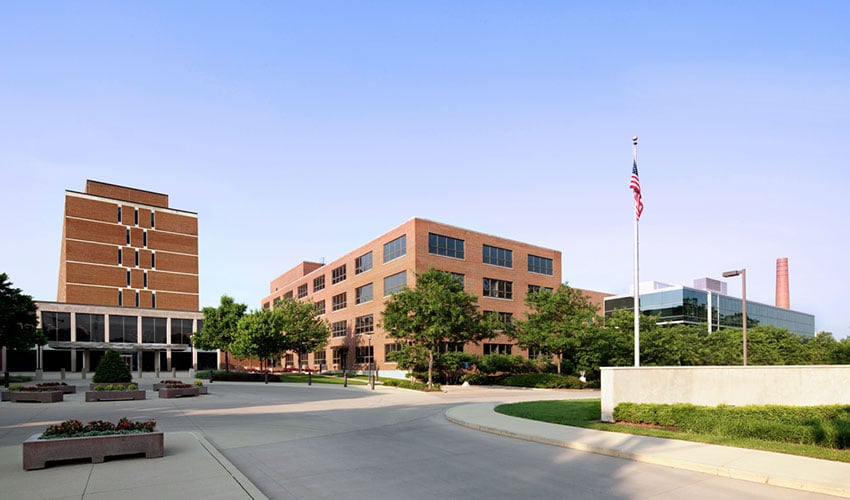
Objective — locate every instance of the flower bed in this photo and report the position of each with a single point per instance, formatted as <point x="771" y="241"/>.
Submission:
<point x="115" y="392"/>
<point x="163" y="384"/>
<point x="97" y="440"/>
<point x="58" y="386"/>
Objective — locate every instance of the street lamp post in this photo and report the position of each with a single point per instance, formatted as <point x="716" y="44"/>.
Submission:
<point x="743" y="274"/>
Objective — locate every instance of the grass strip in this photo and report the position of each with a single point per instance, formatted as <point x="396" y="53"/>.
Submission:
<point x="587" y="412"/>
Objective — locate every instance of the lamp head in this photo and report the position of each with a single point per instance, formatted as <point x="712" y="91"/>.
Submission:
<point x="729" y="274"/>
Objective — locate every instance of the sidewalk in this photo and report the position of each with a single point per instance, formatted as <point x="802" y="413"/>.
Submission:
<point x="190" y="468"/>
<point x="777" y="469"/>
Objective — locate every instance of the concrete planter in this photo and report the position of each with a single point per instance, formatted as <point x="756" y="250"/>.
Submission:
<point x="33" y="396"/>
<point x="37" y="452"/>
<point x="93" y="385"/>
<point x="202" y="389"/>
<point x="159" y="385"/>
<point x="127" y="395"/>
<point x="179" y="393"/>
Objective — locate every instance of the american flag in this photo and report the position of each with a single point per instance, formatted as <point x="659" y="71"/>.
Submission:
<point x="635" y="186"/>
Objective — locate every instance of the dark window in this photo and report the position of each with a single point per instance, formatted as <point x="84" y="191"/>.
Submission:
<point x="119" y="214"/>
<point x="152" y="220"/>
<point x="128" y="278"/>
<point x="450" y="347"/>
<point x="318" y="283"/>
<point x="123" y="329"/>
<point x="128" y="236"/>
<point x="395" y="283"/>
<point x="181" y="330"/>
<point x="363" y="263"/>
<point x="338" y="328"/>
<point x="391" y="348"/>
<point x="363" y="294"/>
<point x="338" y="274"/>
<point x="146" y="279"/>
<point x="339" y="358"/>
<point x="364" y="324"/>
<point x="497" y="348"/>
<point x="90" y="327"/>
<point x="445" y="245"/>
<point x="144" y="239"/>
<point x="266" y="305"/>
<point x="364" y="354"/>
<point x="338" y="302"/>
<point x="137" y="299"/>
<point x="540" y="265"/>
<point x="136" y="217"/>
<point x="153" y="261"/>
<point x="276" y="301"/>
<point x="154" y="330"/>
<point x="120" y="298"/>
<point x="498" y="289"/>
<point x="288" y="295"/>
<point x="153" y="300"/>
<point x="538" y="288"/>
<point x="302" y="291"/>
<point x="320" y="307"/>
<point x="120" y="256"/>
<point x="137" y="258"/>
<point x="320" y="358"/>
<point x="56" y="326"/>
<point x="396" y="248"/>
<point x="498" y="256"/>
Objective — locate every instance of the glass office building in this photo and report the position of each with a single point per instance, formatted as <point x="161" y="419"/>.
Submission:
<point x="691" y="306"/>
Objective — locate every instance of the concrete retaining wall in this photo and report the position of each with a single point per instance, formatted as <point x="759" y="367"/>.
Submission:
<point x="732" y="385"/>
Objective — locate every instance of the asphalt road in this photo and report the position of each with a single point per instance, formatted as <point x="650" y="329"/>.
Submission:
<point x="324" y="441"/>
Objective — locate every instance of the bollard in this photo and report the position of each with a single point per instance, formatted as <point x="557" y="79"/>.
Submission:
<point x="62" y="374"/>
<point x="84" y="373"/>
<point x="173" y="372"/>
<point x="266" y="377"/>
<point x="310" y="378"/>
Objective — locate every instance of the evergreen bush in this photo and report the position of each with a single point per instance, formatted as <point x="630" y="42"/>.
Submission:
<point x="112" y="369"/>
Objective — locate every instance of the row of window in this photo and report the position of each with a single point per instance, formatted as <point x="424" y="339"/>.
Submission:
<point x="121" y="294"/>
<point x="136" y="217"/>
<point x="136" y="259"/>
<point x="362" y="324"/>
<point x="144" y="238"/>
<point x="447" y="246"/>
<point x="365" y="354"/>
<point x="91" y="328"/>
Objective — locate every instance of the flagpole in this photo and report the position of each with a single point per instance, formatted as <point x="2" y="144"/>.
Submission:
<point x="637" y="270"/>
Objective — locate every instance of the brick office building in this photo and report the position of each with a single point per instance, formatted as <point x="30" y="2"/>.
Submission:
<point x="128" y="280"/>
<point x="350" y="291"/>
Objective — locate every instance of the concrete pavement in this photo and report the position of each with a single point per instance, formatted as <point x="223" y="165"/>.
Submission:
<point x="193" y="467"/>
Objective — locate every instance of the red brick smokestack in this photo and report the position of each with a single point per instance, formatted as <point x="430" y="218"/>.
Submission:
<point x="783" y="298"/>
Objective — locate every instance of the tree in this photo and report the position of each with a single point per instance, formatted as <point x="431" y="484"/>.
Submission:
<point x="18" y="320"/>
<point x="303" y="331"/>
<point x="112" y="369"/>
<point x="258" y="334"/>
<point x="555" y="320"/>
<point x="437" y="310"/>
<point x="220" y="325"/>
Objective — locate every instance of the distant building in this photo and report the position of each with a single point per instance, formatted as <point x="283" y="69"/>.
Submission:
<point x="128" y="280"/>
<point x="707" y="303"/>
<point x="350" y="291"/>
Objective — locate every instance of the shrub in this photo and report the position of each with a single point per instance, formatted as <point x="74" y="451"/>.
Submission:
<point x="543" y="381"/>
<point x="476" y="378"/>
<point x="116" y="387"/>
<point x="112" y="369"/>
<point x="199" y="383"/>
<point x="407" y="384"/>
<point x="503" y="363"/>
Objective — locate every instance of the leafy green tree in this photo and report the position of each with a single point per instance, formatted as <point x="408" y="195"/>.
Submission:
<point x="821" y="349"/>
<point x="112" y="369"/>
<point x="771" y="345"/>
<point x="259" y="334"/>
<point x="303" y="331"/>
<point x="672" y="345"/>
<point x="437" y="310"/>
<point x="220" y="327"/>
<point x="18" y="320"/>
<point x="555" y="320"/>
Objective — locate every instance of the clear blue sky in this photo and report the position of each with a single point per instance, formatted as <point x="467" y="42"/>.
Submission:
<point x="301" y="130"/>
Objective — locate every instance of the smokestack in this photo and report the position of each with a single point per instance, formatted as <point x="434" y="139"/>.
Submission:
<point x="783" y="298"/>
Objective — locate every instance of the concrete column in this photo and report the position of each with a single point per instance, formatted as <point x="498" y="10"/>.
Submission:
<point x="73" y="359"/>
<point x="156" y="362"/>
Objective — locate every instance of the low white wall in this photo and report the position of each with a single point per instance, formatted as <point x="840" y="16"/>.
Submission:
<point x="732" y="385"/>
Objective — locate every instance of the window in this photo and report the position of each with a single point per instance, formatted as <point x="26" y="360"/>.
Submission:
<point x="364" y="324"/>
<point x="145" y="279"/>
<point x="136" y="217"/>
<point x="144" y="239"/>
<point x="497" y="348"/>
<point x="338" y="329"/>
<point x="450" y="347"/>
<point x="395" y="283"/>
<point x="338" y="274"/>
<point x="364" y="354"/>
<point x="318" y="283"/>
<point x="153" y="261"/>
<point x="153" y="300"/>
<point x="389" y="349"/>
<point x="288" y="295"/>
<point x="181" y="330"/>
<point x="137" y="259"/>
<point x="152" y="220"/>
<point x="90" y="327"/>
<point x="363" y="294"/>
<point x="319" y="307"/>
<point x="445" y="245"/>
<point x="363" y="263"/>
<point x="123" y="329"/>
<point x="119" y="214"/>
<point x="56" y="326"/>
<point x="290" y="360"/>
<point x="302" y="291"/>
<point x="120" y="256"/>
<point x="128" y="278"/>
<point x="339" y="357"/>
<point x="538" y="288"/>
<point x="498" y="256"/>
<point x="498" y="289"/>
<point x="396" y="248"/>
<point x="266" y="305"/>
<point x="153" y="330"/>
<point x="338" y="302"/>
<point x="458" y="276"/>
<point x="137" y="298"/>
<point x="540" y="265"/>
<point x="276" y="301"/>
<point x="128" y="236"/>
<point x="320" y="358"/>
<point x="120" y="298"/>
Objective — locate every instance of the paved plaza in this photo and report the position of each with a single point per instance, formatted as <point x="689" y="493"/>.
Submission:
<point x="292" y="441"/>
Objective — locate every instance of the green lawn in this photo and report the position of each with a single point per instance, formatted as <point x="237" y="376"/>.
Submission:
<point x="587" y="412"/>
<point x="301" y="378"/>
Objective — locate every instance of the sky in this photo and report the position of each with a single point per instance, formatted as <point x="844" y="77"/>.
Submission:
<point x="302" y="130"/>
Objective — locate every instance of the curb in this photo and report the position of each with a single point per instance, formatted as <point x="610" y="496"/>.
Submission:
<point x="452" y="415"/>
<point x="245" y="483"/>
